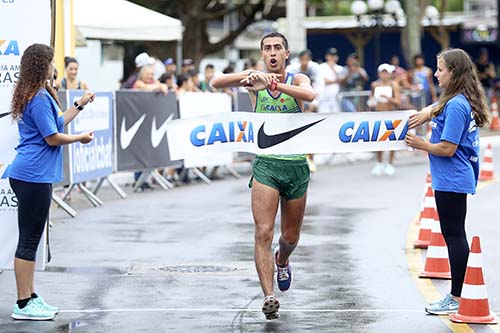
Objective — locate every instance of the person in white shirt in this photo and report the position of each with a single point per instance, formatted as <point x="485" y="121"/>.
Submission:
<point x="330" y="71"/>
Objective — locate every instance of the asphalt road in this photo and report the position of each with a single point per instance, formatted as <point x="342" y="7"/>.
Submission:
<point x="182" y="260"/>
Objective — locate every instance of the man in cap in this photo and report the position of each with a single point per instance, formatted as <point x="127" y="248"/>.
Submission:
<point x="330" y="71"/>
<point x="141" y="60"/>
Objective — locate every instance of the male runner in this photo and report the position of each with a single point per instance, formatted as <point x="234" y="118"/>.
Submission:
<point x="276" y="178"/>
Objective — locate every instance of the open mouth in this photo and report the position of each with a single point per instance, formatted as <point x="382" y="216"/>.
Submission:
<point x="273" y="61"/>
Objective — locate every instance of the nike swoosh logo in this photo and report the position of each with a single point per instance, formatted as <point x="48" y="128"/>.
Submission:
<point x="265" y="141"/>
<point x="4" y="114"/>
<point x="157" y="134"/>
<point x="126" y="135"/>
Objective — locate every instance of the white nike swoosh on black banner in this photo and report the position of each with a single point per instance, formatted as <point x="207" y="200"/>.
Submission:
<point x="157" y="134"/>
<point x="126" y="135"/>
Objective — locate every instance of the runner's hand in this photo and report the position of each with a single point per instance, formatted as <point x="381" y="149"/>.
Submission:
<point x="259" y="81"/>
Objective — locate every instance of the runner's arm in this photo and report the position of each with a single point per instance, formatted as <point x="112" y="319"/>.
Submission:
<point x="230" y="80"/>
<point x="301" y="88"/>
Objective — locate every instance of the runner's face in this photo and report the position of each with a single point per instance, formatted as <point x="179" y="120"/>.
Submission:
<point x="443" y="75"/>
<point x="274" y="54"/>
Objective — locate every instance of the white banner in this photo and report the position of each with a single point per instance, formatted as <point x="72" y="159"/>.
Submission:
<point x="194" y="105"/>
<point x="292" y="133"/>
<point x="22" y="23"/>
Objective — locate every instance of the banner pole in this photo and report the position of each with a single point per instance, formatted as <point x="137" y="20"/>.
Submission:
<point x="53" y="23"/>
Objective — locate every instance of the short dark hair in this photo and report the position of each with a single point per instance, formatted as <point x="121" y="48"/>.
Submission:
<point x="209" y="66"/>
<point x="69" y="60"/>
<point x="165" y="77"/>
<point x="181" y="78"/>
<point x="305" y="53"/>
<point x="274" y="34"/>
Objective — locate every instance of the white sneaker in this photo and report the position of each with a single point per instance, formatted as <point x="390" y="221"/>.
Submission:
<point x="389" y="170"/>
<point x="378" y="169"/>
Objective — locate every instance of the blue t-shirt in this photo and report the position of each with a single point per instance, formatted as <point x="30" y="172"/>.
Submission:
<point x="36" y="161"/>
<point x="456" y="124"/>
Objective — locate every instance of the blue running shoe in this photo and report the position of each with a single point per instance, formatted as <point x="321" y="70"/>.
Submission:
<point x="32" y="311"/>
<point x="283" y="274"/>
<point x="445" y="306"/>
<point x="44" y="304"/>
<point x="270" y="307"/>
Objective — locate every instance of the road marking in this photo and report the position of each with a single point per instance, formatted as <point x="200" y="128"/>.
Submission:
<point x="239" y="310"/>
<point x="426" y="287"/>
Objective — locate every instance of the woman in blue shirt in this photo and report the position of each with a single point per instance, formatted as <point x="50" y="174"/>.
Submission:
<point x="38" y="164"/>
<point x="454" y="157"/>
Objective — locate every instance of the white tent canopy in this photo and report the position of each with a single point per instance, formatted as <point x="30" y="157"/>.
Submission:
<point x="123" y="20"/>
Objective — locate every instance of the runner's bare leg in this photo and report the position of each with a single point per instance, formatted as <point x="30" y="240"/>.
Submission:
<point x="292" y="215"/>
<point x="265" y="202"/>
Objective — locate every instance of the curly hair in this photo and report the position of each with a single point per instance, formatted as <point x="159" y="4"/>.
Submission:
<point x="464" y="80"/>
<point x="33" y="76"/>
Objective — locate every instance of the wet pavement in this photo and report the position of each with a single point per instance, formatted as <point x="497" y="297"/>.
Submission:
<point x="182" y="260"/>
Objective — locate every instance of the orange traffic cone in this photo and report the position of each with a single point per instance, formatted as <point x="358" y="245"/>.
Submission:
<point x="426" y="219"/>
<point x="437" y="264"/>
<point x="474" y="306"/>
<point x="495" y="122"/>
<point x="487" y="167"/>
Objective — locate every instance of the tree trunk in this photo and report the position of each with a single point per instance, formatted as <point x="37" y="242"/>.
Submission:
<point x="412" y="31"/>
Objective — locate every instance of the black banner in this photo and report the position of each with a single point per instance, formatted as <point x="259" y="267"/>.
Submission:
<point x="140" y="129"/>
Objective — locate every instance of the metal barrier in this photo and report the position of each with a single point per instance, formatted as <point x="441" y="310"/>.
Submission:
<point x="351" y="101"/>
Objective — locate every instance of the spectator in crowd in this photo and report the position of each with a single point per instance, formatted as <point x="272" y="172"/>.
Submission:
<point x="170" y="80"/>
<point x="386" y="97"/>
<point x="146" y="81"/>
<point x="420" y="77"/>
<point x="194" y="75"/>
<point x="352" y="78"/>
<point x="141" y="60"/>
<point x="330" y="72"/>
<point x="70" y="80"/>
<point x="187" y="65"/>
<point x="208" y="75"/>
<point x="486" y="72"/>
<point x="36" y="166"/>
<point x="400" y="75"/>
<point x="184" y="84"/>
<point x="170" y="66"/>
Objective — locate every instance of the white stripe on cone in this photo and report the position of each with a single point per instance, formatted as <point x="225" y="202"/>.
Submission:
<point x="429" y="202"/>
<point x="438" y="252"/>
<point x="470" y="291"/>
<point x="426" y="223"/>
<point x="475" y="260"/>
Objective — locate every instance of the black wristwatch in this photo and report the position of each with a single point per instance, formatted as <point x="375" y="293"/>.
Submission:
<point x="78" y="106"/>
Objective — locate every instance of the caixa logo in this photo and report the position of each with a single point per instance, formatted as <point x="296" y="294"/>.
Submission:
<point x="233" y="131"/>
<point x="9" y="47"/>
<point x="366" y="131"/>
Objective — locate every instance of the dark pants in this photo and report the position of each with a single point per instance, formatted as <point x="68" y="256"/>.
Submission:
<point x="452" y="208"/>
<point x="32" y="213"/>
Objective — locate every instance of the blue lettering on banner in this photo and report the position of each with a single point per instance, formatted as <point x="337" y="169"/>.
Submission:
<point x="370" y="132"/>
<point x="9" y="47"/>
<point x="94" y="156"/>
<point x="233" y="131"/>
